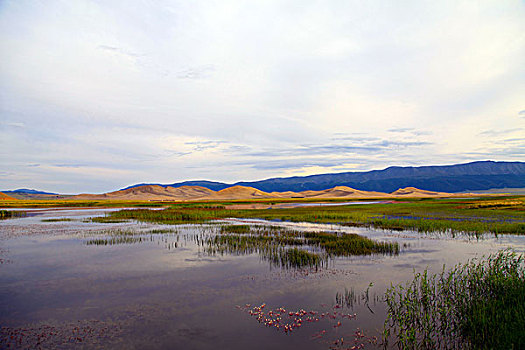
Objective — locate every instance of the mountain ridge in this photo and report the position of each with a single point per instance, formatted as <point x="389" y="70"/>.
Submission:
<point x="473" y="176"/>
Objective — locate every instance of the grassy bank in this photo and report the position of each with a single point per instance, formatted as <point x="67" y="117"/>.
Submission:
<point x="472" y="216"/>
<point x="479" y="305"/>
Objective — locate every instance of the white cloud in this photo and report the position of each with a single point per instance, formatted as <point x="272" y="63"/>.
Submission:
<point x="174" y="90"/>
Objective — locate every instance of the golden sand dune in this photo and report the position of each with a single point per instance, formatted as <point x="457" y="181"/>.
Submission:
<point x="5" y="197"/>
<point x="153" y="192"/>
<point x="184" y="193"/>
<point x="343" y="192"/>
<point x="240" y="192"/>
<point x="416" y="192"/>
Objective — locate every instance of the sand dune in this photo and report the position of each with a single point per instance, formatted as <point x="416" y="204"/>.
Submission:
<point x="343" y="192"/>
<point x="5" y="197"/>
<point x="185" y="193"/>
<point x="416" y="192"/>
<point x="240" y="192"/>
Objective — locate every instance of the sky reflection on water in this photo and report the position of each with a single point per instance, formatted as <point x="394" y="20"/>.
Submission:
<point x="155" y="294"/>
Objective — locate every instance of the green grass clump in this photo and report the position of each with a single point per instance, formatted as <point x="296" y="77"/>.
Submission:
<point x="57" y="220"/>
<point x="349" y="244"/>
<point x="167" y="216"/>
<point x="6" y="214"/>
<point x="235" y="229"/>
<point x="479" y="305"/>
<point x="105" y="220"/>
<point x="115" y="241"/>
<point x="9" y="214"/>
<point x="289" y="248"/>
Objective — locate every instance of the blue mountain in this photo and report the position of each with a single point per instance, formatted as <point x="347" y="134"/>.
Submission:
<point x="27" y="191"/>
<point x="474" y="176"/>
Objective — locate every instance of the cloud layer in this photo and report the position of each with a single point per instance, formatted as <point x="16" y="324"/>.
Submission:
<point x="95" y="95"/>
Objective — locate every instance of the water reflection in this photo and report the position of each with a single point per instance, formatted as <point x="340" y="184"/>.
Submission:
<point x="158" y="286"/>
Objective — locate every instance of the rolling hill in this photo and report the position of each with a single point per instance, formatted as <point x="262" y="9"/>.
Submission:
<point x="187" y="193"/>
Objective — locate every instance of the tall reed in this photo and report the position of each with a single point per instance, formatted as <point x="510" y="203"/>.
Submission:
<point x="478" y="305"/>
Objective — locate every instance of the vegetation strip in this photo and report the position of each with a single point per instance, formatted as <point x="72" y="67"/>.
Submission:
<point x="471" y="216"/>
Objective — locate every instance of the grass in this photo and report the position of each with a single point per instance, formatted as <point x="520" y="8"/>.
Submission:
<point x="8" y="214"/>
<point x="349" y="244"/>
<point x="115" y="241"/>
<point x="235" y="229"/>
<point x="167" y="216"/>
<point x="126" y="236"/>
<point x="471" y="216"/>
<point x="57" y="220"/>
<point x="292" y="249"/>
<point x="479" y="305"/>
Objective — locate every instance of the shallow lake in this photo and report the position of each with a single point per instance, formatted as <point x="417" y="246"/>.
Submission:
<point x="163" y="290"/>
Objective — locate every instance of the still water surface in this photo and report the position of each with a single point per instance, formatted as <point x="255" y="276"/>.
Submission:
<point x="166" y="292"/>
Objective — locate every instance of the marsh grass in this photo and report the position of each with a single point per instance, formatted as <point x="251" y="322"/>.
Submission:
<point x="235" y="229"/>
<point x="105" y="220"/>
<point x="115" y="241"/>
<point x="57" y="220"/>
<point x="167" y="216"/>
<point x="292" y="249"/>
<point x="126" y="236"/>
<point x="454" y="216"/>
<point x="478" y="305"/>
<point x="9" y="214"/>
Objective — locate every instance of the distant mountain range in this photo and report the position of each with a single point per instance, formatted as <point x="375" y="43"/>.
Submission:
<point x="475" y="176"/>
<point x="28" y="191"/>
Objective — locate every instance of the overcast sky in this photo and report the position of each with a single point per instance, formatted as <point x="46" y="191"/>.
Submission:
<point x="98" y="95"/>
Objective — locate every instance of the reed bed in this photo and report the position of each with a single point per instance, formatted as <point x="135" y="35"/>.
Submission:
<point x="115" y="241"/>
<point x="9" y="214"/>
<point x="478" y="305"/>
<point x="469" y="216"/>
<point x="235" y="229"/>
<point x="290" y="248"/>
<point x="167" y="216"/>
<point x="57" y="220"/>
<point x="127" y="236"/>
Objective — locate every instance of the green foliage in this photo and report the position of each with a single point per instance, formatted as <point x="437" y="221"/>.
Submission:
<point x="57" y="220"/>
<point x="9" y="214"/>
<point x="288" y="248"/>
<point x="479" y="305"/>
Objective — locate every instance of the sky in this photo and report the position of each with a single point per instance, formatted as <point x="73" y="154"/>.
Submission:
<point x="98" y="95"/>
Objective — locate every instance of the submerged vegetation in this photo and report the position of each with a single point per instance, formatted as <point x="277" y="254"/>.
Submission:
<point x="479" y="305"/>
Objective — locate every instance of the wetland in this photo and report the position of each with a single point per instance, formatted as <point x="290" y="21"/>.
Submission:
<point x="204" y="275"/>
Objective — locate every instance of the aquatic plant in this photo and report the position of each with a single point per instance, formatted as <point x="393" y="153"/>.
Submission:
<point x="9" y="214"/>
<point x="57" y="220"/>
<point x="235" y="229"/>
<point x="479" y="305"/>
<point x="115" y="240"/>
<point x="281" y="246"/>
<point x="349" y="244"/>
